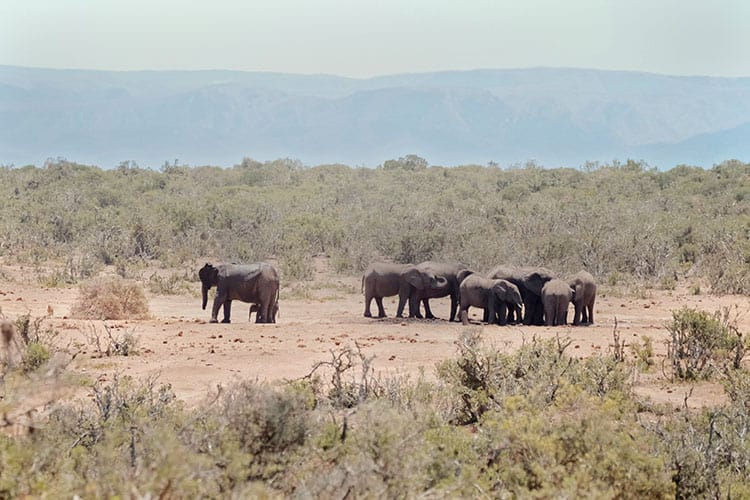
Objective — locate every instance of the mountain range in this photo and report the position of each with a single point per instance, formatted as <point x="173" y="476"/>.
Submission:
<point x="554" y="116"/>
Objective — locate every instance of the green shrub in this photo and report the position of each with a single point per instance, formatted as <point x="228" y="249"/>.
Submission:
<point x="481" y="378"/>
<point x="36" y="355"/>
<point x="643" y="352"/>
<point x="700" y="343"/>
<point x="174" y="284"/>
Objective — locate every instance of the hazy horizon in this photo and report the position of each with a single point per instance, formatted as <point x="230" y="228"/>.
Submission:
<point x="367" y="39"/>
<point x="369" y="77"/>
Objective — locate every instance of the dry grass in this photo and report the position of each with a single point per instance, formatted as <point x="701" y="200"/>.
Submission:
<point x="110" y="298"/>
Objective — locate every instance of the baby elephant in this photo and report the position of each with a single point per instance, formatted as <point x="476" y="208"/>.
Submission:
<point x="556" y="297"/>
<point x="496" y="297"/>
<point x="255" y="308"/>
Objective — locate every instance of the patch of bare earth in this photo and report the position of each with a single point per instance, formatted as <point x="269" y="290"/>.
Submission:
<point x="183" y="349"/>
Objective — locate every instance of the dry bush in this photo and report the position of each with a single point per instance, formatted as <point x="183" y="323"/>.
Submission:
<point x="110" y="298"/>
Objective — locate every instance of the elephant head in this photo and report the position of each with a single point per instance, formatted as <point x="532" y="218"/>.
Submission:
<point x="422" y="280"/>
<point x="507" y="292"/>
<point x="209" y="276"/>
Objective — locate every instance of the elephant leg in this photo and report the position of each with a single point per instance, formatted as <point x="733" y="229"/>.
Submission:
<point x="578" y="306"/>
<point x="463" y="313"/>
<point x="368" y="300"/>
<point x="266" y="308"/>
<point x="454" y="307"/>
<point x="381" y="309"/>
<point x="486" y="315"/>
<point x="402" y="298"/>
<point x="427" y="312"/>
<point x="227" y="310"/>
<point x="528" y="311"/>
<point x="414" y="306"/>
<point x="549" y="312"/>
<point x="538" y="318"/>
<point x="590" y="307"/>
<point x="562" y="314"/>
<point x="492" y="311"/>
<point x="218" y="302"/>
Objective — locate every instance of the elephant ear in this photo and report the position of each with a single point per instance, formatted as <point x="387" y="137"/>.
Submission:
<point x="206" y="272"/>
<point x="535" y="282"/>
<point x="463" y="274"/>
<point x="415" y="279"/>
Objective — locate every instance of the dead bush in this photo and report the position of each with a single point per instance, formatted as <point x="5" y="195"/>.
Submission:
<point x="109" y="343"/>
<point x="110" y="298"/>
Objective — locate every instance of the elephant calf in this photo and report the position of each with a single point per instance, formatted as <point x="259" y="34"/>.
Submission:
<point x="430" y="280"/>
<point x="255" y="308"/>
<point x="529" y="281"/>
<point x="556" y="297"/>
<point x="496" y="296"/>
<point x="585" y="287"/>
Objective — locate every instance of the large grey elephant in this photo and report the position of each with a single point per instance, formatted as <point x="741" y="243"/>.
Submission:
<point x="494" y="296"/>
<point x="381" y="279"/>
<point x="255" y="283"/>
<point x="414" y="290"/>
<point x="556" y="297"/>
<point x="585" y="287"/>
<point x="530" y="281"/>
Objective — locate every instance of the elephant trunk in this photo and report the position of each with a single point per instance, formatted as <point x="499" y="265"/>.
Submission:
<point x="204" y="291"/>
<point x="440" y="282"/>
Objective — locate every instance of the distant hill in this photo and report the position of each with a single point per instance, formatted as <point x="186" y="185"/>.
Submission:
<point x="554" y="116"/>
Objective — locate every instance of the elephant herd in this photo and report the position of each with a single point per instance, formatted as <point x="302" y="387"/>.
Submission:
<point x="503" y="294"/>
<point x="531" y="295"/>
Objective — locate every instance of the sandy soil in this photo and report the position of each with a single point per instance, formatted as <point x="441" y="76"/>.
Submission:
<point x="180" y="347"/>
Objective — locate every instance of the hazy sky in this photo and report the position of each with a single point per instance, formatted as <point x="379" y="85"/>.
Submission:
<point x="369" y="37"/>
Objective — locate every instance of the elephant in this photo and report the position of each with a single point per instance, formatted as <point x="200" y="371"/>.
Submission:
<point x="255" y="308"/>
<point x="381" y="279"/>
<point x="530" y="281"/>
<point x="255" y="283"/>
<point x="414" y="287"/>
<point x="556" y="297"/>
<point x="494" y="296"/>
<point x="585" y="287"/>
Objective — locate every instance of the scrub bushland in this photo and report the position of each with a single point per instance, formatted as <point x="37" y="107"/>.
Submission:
<point x="534" y="423"/>
<point x="619" y="221"/>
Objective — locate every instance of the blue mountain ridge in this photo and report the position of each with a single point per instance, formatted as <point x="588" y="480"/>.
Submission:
<point x="555" y="116"/>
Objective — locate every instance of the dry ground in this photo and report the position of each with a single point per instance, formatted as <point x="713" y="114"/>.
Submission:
<point x="183" y="349"/>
